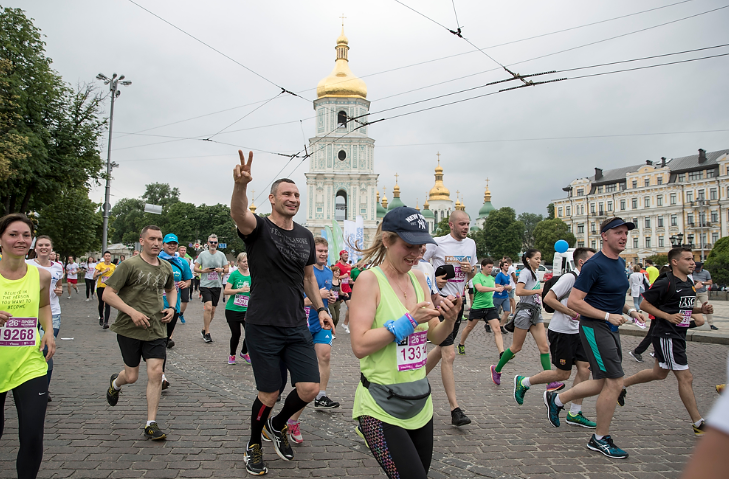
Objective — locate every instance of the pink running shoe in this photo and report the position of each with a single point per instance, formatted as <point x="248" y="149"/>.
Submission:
<point x="295" y="431"/>
<point x="495" y="377"/>
<point x="555" y="386"/>
<point x="246" y="357"/>
<point x="231" y="359"/>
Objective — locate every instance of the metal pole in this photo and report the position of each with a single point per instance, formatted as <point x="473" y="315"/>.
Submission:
<point x="104" y="234"/>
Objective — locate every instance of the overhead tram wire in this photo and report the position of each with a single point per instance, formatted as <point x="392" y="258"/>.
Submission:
<point x="244" y="116"/>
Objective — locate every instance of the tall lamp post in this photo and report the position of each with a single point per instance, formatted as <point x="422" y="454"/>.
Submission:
<point x="113" y="83"/>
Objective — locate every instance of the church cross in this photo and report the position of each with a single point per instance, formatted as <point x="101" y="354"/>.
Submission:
<point x="253" y="195"/>
<point x="396" y="176"/>
<point x="487" y="183"/>
<point x="438" y="157"/>
<point x="342" y="17"/>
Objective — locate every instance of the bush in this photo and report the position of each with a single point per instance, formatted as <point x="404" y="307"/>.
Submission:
<point x="718" y="262"/>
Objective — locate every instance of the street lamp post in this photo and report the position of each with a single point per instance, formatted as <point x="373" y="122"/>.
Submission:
<point x="113" y="83"/>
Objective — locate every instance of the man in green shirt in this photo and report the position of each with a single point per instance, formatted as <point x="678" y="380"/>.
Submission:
<point x="483" y="306"/>
<point x="135" y="290"/>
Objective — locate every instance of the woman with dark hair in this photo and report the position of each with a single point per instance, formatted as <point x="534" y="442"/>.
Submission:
<point x="89" y="277"/>
<point x="24" y="368"/>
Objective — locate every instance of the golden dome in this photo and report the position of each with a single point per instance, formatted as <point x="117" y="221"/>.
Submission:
<point x="252" y="207"/>
<point x="384" y="198"/>
<point x="341" y="82"/>
<point x="426" y="205"/>
<point x="439" y="191"/>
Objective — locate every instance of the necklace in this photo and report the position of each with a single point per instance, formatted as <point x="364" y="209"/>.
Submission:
<point x="405" y="295"/>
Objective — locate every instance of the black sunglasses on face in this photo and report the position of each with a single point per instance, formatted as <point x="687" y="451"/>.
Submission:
<point x="213" y="242"/>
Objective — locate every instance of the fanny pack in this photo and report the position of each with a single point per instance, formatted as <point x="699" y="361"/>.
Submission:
<point x="532" y="309"/>
<point x="401" y="401"/>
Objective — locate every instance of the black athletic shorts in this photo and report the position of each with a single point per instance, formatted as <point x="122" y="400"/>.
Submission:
<point x="268" y="346"/>
<point x="452" y="337"/>
<point x="132" y="350"/>
<point x="235" y="316"/>
<point x="565" y="349"/>
<point x="603" y="349"/>
<point x="185" y="295"/>
<point x="210" y="294"/>
<point x="670" y="353"/>
<point x="487" y="314"/>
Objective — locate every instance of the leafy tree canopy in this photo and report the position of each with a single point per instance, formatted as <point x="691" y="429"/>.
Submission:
<point x="548" y="232"/>
<point x="71" y="221"/>
<point x="503" y="234"/>
<point x="718" y="262"/>
<point x="530" y="221"/>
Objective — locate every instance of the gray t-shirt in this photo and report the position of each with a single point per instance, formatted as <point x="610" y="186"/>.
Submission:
<point x="527" y="278"/>
<point x="208" y="260"/>
<point x="702" y="276"/>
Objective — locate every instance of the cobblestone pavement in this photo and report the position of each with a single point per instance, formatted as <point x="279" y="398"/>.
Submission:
<point x="207" y="409"/>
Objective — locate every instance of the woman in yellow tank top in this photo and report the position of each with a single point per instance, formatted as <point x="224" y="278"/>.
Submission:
<point x="391" y="320"/>
<point x="24" y="302"/>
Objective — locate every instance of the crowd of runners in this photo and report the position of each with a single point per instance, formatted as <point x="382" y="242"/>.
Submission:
<point x="282" y="304"/>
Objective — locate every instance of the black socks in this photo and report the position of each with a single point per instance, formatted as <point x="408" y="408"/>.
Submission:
<point x="292" y="404"/>
<point x="258" y="419"/>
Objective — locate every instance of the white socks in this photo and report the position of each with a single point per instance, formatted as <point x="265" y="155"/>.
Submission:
<point x="321" y="394"/>
<point x="150" y="422"/>
<point x="557" y="401"/>
<point x="164" y="378"/>
<point x="598" y="437"/>
<point x="116" y="388"/>
<point x="698" y="423"/>
<point x="526" y="383"/>
<point x="575" y="408"/>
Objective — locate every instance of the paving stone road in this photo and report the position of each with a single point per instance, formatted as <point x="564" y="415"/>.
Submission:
<point x="206" y="413"/>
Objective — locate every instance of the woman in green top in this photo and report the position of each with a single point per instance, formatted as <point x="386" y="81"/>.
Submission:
<point x="391" y="320"/>
<point x="238" y="290"/>
<point x="25" y="301"/>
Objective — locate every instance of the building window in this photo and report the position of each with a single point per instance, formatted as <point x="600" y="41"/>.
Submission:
<point x="714" y="216"/>
<point x="702" y="219"/>
<point x="674" y="220"/>
<point x="592" y="208"/>
<point x="680" y="178"/>
<point x="647" y="222"/>
<point x="647" y="241"/>
<point x="635" y="222"/>
<point x="569" y="228"/>
<point x="659" y="180"/>
<point x="594" y="229"/>
<point x="659" y="200"/>
<point x="690" y="219"/>
<point x="713" y="194"/>
<point x="623" y="186"/>
<point x="622" y="205"/>
<point x="559" y="212"/>
<point x="660" y="222"/>
<point x="611" y="188"/>
<point x="580" y="244"/>
<point x="691" y="239"/>
<point x="710" y="173"/>
<point x="647" y="182"/>
<point x="660" y="242"/>
<point x="568" y="211"/>
<point x="593" y="244"/>
<point x="610" y="205"/>
<point x="635" y="243"/>
<point x="341" y="119"/>
<point x="635" y="184"/>
<point x="580" y="192"/>
<point x="581" y="228"/>
<point x="701" y="195"/>
<point x="647" y="201"/>
<point x="635" y="203"/>
<point x="689" y="196"/>
<point x="714" y="238"/>
<point x="673" y="199"/>
<point x="600" y="209"/>
<point x="696" y="175"/>
<point x="599" y="189"/>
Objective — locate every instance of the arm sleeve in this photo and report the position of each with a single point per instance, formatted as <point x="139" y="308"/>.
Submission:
<point x="312" y="251"/>
<point x="587" y="277"/>
<point x="255" y="233"/>
<point x="524" y="276"/>
<point x="474" y="259"/>
<point x="186" y="272"/>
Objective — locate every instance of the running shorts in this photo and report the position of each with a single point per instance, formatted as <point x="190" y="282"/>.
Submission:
<point x="185" y="295"/>
<point x="323" y="336"/>
<point x="487" y="314"/>
<point x="670" y="353"/>
<point x="232" y="316"/>
<point x="566" y="349"/>
<point x="132" y="350"/>
<point x="504" y="303"/>
<point x="525" y="319"/>
<point x="71" y="280"/>
<point x="210" y="295"/>
<point x="268" y="346"/>
<point x="603" y="349"/>
<point x="451" y="338"/>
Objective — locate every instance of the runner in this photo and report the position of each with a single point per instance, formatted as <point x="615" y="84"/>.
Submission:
<point x="511" y="272"/>
<point x="598" y="296"/>
<point x="89" y="278"/>
<point x="335" y="305"/>
<point x="71" y="275"/>
<point x="651" y="271"/>
<point x="702" y="277"/>
<point x="185" y="293"/>
<point x="482" y="306"/>
<point x="564" y="343"/>
<point x="636" y="280"/>
<point x="212" y="264"/>
<point x="24" y="302"/>
<point x="502" y="300"/>
<point x="238" y="288"/>
<point x="182" y="275"/>
<point x="392" y="316"/>
<point x="345" y="271"/>
<point x="672" y="301"/>
<point x="459" y="250"/>
<point x="101" y="275"/>
<point x="281" y="257"/>
<point x="135" y="290"/>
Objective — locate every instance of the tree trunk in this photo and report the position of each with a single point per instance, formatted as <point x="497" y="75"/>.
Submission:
<point x="11" y="204"/>
<point x="26" y="199"/>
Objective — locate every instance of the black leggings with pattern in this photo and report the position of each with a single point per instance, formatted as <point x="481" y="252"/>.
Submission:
<point x="402" y="453"/>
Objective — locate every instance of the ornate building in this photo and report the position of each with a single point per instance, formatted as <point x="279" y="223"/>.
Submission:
<point x="341" y="182"/>
<point x="485" y="210"/>
<point x="439" y="197"/>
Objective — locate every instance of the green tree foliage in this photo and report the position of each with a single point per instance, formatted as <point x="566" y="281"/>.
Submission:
<point x="658" y="260"/>
<point x="718" y="262"/>
<point x="503" y="234"/>
<point x="481" y="249"/>
<point x="216" y="219"/>
<point x="442" y="227"/>
<point x="161" y="194"/>
<point x="530" y="221"/>
<point x="71" y="221"/>
<point x="128" y="220"/>
<point x="549" y="232"/>
<point x="49" y="133"/>
<point x="550" y="211"/>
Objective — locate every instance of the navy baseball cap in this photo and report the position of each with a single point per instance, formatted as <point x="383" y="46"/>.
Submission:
<point x="170" y="238"/>
<point x="615" y="222"/>
<point x="409" y="225"/>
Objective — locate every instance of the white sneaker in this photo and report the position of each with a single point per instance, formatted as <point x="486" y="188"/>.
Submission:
<point x="346" y="328"/>
<point x="69" y="296"/>
<point x="87" y="299"/>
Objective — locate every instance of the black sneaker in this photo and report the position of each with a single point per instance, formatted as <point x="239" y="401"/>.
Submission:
<point x="280" y="440"/>
<point x="487" y="328"/>
<point x="714" y="328"/>
<point x="165" y="384"/>
<point x="621" y="397"/>
<point x="207" y="338"/>
<point x="202" y="333"/>
<point x="637" y="356"/>
<point x="253" y="458"/>
<point x="503" y="330"/>
<point x="49" y="400"/>
<point x="106" y="326"/>
<point x="552" y="408"/>
<point x="325" y="403"/>
<point x="152" y="432"/>
<point x="112" y="395"/>
<point x="458" y="418"/>
<point x="101" y="321"/>
<point x="170" y="344"/>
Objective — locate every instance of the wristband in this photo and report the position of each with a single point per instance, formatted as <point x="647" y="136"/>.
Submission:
<point x="412" y="321"/>
<point x="401" y="328"/>
<point x="631" y="310"/>
<point x="607" y="316"/>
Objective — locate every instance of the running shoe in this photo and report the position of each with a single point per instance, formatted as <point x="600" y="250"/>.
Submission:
<point x="459" y="418"/>
<point x="112" y="395"/>
<point x="165" y="384"/>
<point x="87" y="300"/>
<point x="607" y="447"/>
<point x="555" y="386"/>
<point x="182" y="319"/>
<point x="621" y="397"/>
<point x="295" y="431"/>
<point x="170" y="344"/>
<point x="720" y="388"/>
<point x="152" y="432"/>
<point x="208" y="339"/>
<point x="246" y="357"/>
<point x="495" y="377"/>
<point x="653" y="355"/>
<point x="462" y="349"/>
<point x="699" y="431"/>
<point x="358" y="431"/>
<point x="253" y="457"/>
<point x="106" y="325"/>
<point x="519" y="390"/>
<point x="552" y="408"/>
<point x="580" y="420"/>
<point x="202" y="333"/>
<point x="346" y="328"/>
<point x="637" y="356"/>
<point x="325" y="403"/>
<point x="231" y="359"/>
<point x="101" y="321"/>
<point x="714" y="328"/>
<point x="503" y="330"/>
<point x="487" y="328"/>
<point x="280" y="440"/>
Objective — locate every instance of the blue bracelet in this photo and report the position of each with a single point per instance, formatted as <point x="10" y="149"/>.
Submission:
<point x="401" y="328"/>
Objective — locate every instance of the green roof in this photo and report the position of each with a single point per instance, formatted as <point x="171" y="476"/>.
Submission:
<point x="427" y="213"/>
<point x="485" y="210"/>
<point x="381" y="211"/>
<point x="396" y="203"/>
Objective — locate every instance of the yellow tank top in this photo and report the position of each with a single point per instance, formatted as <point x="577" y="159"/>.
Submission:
<point x="20" y="298"/>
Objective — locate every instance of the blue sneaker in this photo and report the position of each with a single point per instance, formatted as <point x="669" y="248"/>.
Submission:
<point x="182" y="319"/>
<point x="607" y="447"/>
<point x="519" y="390"/>
<point x="552" y="408"/>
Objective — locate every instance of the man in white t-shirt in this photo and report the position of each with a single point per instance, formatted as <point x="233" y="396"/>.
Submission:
<point x="564" y="343"/>
<point x="71" y="275"/>
<point x="511" y="272"/>
<point x="459" y="250"/>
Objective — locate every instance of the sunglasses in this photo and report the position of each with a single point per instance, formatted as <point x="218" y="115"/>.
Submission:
<point x="212" y="242"/>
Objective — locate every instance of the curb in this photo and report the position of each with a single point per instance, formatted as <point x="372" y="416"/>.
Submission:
<point x="691" y="335"/>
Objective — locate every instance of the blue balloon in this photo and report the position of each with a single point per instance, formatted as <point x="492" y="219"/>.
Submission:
<point x="561" y="246"/>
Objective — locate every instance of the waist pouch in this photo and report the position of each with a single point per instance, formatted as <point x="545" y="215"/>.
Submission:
<point x="531" y="309"/>
<point x="401" y="401"/>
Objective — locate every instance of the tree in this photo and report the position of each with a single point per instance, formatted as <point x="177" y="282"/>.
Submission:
<point x="216" y="219"/>
<point x="71" y="221"/>
<point x="549" y="232"/>
<point x="161" y="194"/>
<point x="182" y="220"/>
<point x="550" y="211"/>
<point x="442" y="228"/>
<point x="718" y="262"/>
<point x="659" y="260"/>
<point x="503" y="234"/>
<point x="129" y="219"/>
<point x="481" y="248"/>
<point x="530" y="221"/>
<point x="12" y="145"/>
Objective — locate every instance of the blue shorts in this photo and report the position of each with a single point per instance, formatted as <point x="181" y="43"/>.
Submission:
<point x="323" y="336"/>
<point x="56" y="321"/>
<point x="503" y="302"/>
<point x="512" y="293"/>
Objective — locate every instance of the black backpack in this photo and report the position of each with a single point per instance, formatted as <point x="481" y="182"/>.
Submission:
<point x="547" y="286"/>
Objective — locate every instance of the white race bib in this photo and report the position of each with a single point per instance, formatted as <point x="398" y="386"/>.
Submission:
<point x="412" y="353"/>
<point x="104" y="279"/>
<point x="307" y="310"/>
<point x="686" y="322"/>
<point x="241" y="300"/>
<point x="213" y="276"/>
<point x="19" y="332"/>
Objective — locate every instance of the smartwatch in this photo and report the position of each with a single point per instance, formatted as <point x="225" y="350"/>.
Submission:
<point x="319" y="310"/>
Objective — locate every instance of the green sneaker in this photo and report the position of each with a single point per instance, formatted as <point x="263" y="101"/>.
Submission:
<point x="519" y="390"/>
<point x="580" y="420"/>
<point x="462" y="349"/>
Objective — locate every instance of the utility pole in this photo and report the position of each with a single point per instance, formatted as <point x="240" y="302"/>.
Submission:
<point x="113" y="83"/>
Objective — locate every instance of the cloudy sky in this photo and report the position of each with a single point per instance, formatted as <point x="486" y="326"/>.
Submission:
<point x="530" y="142"/>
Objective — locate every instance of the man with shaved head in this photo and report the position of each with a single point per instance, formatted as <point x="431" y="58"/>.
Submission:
<point x="459" y="250"/>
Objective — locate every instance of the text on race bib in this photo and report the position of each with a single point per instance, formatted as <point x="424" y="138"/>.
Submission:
<point x="412" y="352"/>
<point x="19" y="332"/>
<point x="213" y="276"/>
<point x="307" y="310"/>
<point x="104" y="279"/>
<point x="241" y="300"/>
<point x="686" y="321"/>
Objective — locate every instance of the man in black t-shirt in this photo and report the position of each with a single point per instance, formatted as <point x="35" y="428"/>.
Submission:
<point x="281" y="256"/>
<point x="671" y="300"/>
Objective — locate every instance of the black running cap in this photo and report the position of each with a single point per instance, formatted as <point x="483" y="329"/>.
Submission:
<point x="617" y="222"/>
<point x="409" y="225"/>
